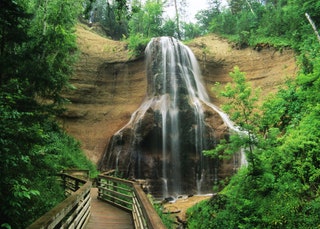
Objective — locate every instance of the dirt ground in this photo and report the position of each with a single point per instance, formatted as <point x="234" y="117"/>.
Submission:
<point x="180" y="207"/>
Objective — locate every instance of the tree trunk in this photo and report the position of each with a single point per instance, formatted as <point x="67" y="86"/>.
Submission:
<point x="177" y="19"/>
<point x="313" y="26"/>
<point x="250" y="7"/>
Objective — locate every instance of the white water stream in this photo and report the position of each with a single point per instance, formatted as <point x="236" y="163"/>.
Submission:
<point x="175" y="85"/>
<point x="179" y="66"/>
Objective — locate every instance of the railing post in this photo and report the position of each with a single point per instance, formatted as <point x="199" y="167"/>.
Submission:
<point x="114" y="188"/>
<point x="77" y="185"/>
<point x="64" y="182"/>
<point x="117" y="193"/>
<point x="73" y="212"/>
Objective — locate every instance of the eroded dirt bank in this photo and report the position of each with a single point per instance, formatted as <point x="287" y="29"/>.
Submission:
<point x="110" y="87"/>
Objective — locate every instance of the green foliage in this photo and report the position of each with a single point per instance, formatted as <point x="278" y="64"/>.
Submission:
<point x="52" y="46"/>
<point x="242" y="106"/>
<point x="112" y="17"/>
<point x="146" y="19"/>
<point x="241" y="101"/>
<point x="224" y="24"/>
<point x="36" y="57"/>
<point x="191" y="31"/>
<point x="137" y="44"/>
<point x="166" y="219"/>
<point x="145" y="23"/>
<point x="204" y="17"/>
<point x="283" y="111"/>
<point x="203" y="212"/>
<point x="169" y="28"/>
<point x="32" y="152"/>
<point x="284" y="190"/>
<point x="66" y="153"/>
<point x="278" y="23"/>
<point x="247" y="203"/>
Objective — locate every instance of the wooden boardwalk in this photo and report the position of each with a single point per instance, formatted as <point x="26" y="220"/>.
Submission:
<point x="104" y="215"/>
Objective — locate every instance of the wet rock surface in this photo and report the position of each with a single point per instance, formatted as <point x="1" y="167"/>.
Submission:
<point x="109" y="87"/>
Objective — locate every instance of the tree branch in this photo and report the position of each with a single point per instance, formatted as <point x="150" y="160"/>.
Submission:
<point x="313" y="26"/>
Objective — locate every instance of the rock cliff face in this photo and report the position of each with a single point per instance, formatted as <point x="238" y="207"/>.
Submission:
<point x="110" y="87"/>
<point x="265" y="67"/>
<point x="164" y="140"/>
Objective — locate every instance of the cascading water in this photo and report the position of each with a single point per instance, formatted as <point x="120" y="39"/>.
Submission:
<point x="179" y="73"/>
<point x="164" y="140"/>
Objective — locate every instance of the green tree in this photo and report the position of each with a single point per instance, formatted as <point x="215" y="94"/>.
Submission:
<point x="52" y="46"/>
<point x="284" y="192"/>
<point x="107" y="16"/>
<point x="280" y="23"/>
<point x="179" y="6"/>
<point x="11" y="37"/>
<point x="169" y="28"/>
<point x="242" y="107"/>
<point x="177" y="17"/>
<point x="190" y="31"/>
<point x="147" y="19"/>
<point x="146" y="22"/>
<point x="204" y="17"/>
<point x="37" y="53"/>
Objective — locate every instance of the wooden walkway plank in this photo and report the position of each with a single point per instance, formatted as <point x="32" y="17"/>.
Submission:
<point x="104" y="215"/>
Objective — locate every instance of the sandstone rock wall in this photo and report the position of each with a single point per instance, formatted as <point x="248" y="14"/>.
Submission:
<point x="268" y="68"/>
<point x="110" y="87"/>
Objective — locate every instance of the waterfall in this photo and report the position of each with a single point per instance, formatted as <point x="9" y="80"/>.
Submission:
<point x="179" y="71"/>
<point x="164" y="140"/>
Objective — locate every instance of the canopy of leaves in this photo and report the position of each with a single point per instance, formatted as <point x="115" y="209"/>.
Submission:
<point x="37" y="51"/>
<point x="282" y="189"/>
<point x="248" y="22"/>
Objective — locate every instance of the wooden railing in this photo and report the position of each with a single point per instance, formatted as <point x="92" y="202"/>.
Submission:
<point x="130" y="197"/>
<point x="74" y="211"/>
<point x="72" y="179"/>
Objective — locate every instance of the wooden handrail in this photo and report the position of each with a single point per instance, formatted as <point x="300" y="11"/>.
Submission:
<point x="81" y="173"/>
<point x="148" y="212"/>
<point x="115" y="191"/>
<point x="72" y="212"/>
<point x="129" y="196"/>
